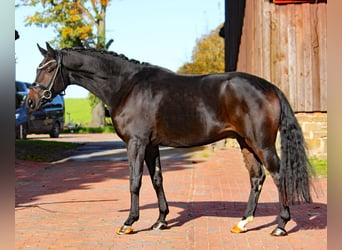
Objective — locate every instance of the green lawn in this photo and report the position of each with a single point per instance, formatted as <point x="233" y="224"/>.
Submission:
<point x="43" y="151"/>
<point x="79" y="110"/>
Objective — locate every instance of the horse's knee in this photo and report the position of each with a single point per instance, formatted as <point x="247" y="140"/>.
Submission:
<point x="135" y="186"/>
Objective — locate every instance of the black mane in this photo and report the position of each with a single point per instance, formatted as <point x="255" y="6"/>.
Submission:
<point x="102" y="51"/>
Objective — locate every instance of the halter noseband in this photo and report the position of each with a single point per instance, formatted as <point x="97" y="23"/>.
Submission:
<point x="47" y="94"/>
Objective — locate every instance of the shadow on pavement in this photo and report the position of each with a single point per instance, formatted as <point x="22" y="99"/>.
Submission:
<point x="92" y="162"/>
<point x="35" y="179"/>
<point x="306" y="216"/>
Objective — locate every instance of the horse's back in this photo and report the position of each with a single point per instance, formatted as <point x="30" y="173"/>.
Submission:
<point x="205" y="108"/>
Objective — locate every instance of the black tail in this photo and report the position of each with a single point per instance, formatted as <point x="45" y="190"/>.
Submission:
<point x="295" y="168"/>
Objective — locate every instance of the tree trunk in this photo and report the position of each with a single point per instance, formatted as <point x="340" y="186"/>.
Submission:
<point x="101" y="29"/>
<point x="98" y="116"/>
<point x="98" y="113"/>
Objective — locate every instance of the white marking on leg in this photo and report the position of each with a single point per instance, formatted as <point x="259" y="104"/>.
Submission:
<point x="243" y="223"/>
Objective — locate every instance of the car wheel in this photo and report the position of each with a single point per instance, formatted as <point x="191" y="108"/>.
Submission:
<point x="22" y="132"/>
<point x="55" y="131"/>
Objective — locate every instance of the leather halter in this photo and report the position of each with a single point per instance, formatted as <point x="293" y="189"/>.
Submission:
<point x="47" y="94"/>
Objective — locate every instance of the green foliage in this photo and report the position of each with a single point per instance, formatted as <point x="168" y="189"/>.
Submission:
<point x="79" y="110"/>
<point x="207" y="56"/>
<point x="93" y="100"/>
<point x="77" y="22"/>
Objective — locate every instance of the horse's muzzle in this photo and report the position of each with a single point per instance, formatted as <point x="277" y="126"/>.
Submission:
<point x="30" y="103"/>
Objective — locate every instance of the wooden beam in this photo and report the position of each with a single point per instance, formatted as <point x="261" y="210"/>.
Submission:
<point x="233" y="29"/>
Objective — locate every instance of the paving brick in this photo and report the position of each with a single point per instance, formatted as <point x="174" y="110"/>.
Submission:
<point x="79" y="205"/>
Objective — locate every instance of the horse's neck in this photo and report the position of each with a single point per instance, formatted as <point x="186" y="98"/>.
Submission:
<point x="108" y="80"/>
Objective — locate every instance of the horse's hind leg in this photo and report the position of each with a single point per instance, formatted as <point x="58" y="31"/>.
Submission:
<point x="152" y="160"/>
<point x="272" y="163"/>
<point x="257" y="178"/>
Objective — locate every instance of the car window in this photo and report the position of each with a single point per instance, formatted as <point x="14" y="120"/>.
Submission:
<point x="20" y="95"/>
<point x="56" y="103"/>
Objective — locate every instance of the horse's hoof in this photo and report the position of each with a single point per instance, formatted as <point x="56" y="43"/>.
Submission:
<point x="124" y="230"/>
<point x="279" y="232"/>
<point x="237" y="230"/>
<point x="159" y="225"/>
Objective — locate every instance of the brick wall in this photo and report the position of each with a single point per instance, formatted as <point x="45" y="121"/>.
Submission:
<point x="314" y="127"/>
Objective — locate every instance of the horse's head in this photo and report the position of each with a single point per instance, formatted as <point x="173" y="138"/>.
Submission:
<point x="49" y="79"/>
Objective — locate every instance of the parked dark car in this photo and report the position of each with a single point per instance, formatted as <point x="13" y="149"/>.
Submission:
<point x="48" y="120"/>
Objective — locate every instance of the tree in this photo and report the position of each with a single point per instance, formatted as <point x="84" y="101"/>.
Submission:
<point x="78" y="23"/>
<point x="207" y="56"/>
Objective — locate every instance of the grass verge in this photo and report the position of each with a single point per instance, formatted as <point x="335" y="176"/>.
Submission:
<point x="43" y="151"/>
<point x="320" y="166"/>
<point x="87" y="130"/>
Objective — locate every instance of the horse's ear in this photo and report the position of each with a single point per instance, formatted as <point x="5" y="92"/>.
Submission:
<point x="42" y="51"/>
<point x="50" y="50"/>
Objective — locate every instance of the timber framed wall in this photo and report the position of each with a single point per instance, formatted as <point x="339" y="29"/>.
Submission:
<point x="286" y="44"/>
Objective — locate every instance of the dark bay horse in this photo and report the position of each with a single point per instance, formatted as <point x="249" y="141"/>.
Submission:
<point x="152" y="106"/>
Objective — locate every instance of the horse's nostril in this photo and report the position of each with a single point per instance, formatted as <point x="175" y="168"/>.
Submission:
<point x="30" y="103"/>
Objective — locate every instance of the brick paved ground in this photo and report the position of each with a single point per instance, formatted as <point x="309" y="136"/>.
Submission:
<point x="79" y="205"/>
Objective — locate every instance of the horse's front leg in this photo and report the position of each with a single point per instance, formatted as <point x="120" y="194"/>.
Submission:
<point x="136" y="153"/>
<point x="152" y="159"/>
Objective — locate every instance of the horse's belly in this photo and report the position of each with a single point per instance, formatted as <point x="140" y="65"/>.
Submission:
<point x="189" y="134"/>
